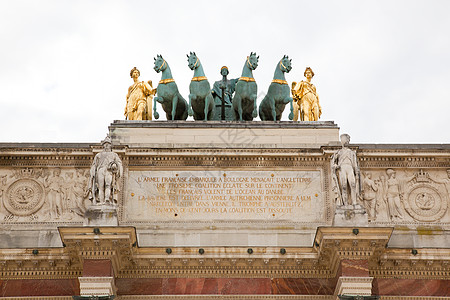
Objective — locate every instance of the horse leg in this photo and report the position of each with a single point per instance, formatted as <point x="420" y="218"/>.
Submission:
<point x="262" y="116"/>
<point x="210" y="108"/>
<point x="255" y="111"/>
<point x="182" y="113"/>
<point x="291" y="114"/>
<point x="272" y="108"/>
<point x="241" y="110"/>
<point x="174" y="106"/>
<point x="192" y="98"/>
<point x="155" y="113"/>
<point x="205" y="109"/>
<point x="237" y="109"/>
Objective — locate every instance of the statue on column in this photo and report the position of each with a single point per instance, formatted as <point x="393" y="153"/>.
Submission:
<point x="346" y="174"/>
<point x="139" y="98"/>
<point x="306" y="99"/>
<point x="106" y="169"/>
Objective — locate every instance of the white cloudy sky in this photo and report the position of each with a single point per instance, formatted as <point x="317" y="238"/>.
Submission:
<point x="382" y="67"/>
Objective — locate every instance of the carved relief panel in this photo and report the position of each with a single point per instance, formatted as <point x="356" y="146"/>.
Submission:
<point x="43" y="195"/>
<point x="405" y="196"/>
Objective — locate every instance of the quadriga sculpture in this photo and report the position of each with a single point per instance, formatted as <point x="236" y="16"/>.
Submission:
<point x="244" y="100"/>
<point x="273" y="104"/>
<point x="201" y="101"/>
<point x="167" y="93"/>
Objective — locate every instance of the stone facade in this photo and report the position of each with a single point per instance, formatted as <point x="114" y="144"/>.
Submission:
<point x="233" y="210"/>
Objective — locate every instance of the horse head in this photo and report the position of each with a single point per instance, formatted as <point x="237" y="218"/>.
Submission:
<point x="160" y="63"/>
<point x="193" y="61"/>
<point x="285" y="64"/>
<point x="252" y="61"/>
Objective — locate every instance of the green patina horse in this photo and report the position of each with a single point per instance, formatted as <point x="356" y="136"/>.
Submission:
<point x="244" y="100"/>
<point x="201" y="101"/>
<point x="171" y="101"/>
<point x="273" y="104"/>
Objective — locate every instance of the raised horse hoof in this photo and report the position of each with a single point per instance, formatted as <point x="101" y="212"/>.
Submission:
<point x="156" y="115"/>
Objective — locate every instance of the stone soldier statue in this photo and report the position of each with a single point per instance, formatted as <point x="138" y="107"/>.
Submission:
<point x="346" y="174"/>
<point x="105" y="171"/>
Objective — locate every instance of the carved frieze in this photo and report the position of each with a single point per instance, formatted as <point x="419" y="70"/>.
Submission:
<point x="43" y="195"/>
<point x="404" y="195"/>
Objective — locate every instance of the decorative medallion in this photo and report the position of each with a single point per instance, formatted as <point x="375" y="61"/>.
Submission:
<point x="424" y="203"/>
<point x="24" y="197"/>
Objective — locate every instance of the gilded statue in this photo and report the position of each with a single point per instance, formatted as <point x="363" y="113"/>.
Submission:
<point x="105" y="171"/>
<point x="346" y="174"/>
<point x="306" y="100"/>
<point x="139" y="98"/>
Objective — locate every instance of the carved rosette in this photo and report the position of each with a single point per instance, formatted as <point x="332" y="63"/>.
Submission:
<point x="424" y="203"/>
<point x="24" y="197"/>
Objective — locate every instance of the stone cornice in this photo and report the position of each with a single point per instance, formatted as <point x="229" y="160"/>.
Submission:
<point x="228" y="297"/>
<point x="118" y="244"/>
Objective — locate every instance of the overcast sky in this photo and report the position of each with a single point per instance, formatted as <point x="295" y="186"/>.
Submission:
<point x="382" y="68"/>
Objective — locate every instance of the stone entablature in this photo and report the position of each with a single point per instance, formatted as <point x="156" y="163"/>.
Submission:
<point x="36" y="176"/>
<point x="337" y="253"/>
<point x="225" y="197"/>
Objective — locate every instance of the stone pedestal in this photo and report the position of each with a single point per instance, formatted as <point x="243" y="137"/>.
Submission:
<point x="350" y="216"/>
<point x="224" y="134"/>
<point x="101" y="215"/>
<point x="96" y="286"/>
<point x="360" y="286"/>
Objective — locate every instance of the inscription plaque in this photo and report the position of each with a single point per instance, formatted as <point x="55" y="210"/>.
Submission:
<point x="224" y="195"/>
